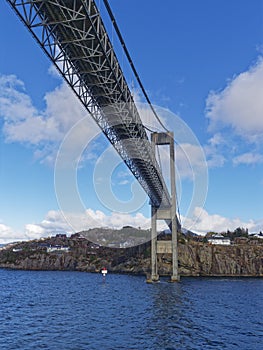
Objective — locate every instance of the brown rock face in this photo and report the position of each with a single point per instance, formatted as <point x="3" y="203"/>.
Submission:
<point x="216" y="260"/>
<point x="195" y="259"/>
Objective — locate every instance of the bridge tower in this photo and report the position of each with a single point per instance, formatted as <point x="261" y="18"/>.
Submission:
<point x="165" y="213"/>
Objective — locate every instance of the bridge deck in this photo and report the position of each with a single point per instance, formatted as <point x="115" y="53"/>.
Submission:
<point x="72" y="34"/>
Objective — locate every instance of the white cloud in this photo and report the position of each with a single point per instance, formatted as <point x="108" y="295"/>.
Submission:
<point x="248" y="159"/>
<point x="214" y="159"/>
<point x="240" y="104"/>
<point x="213" y="151"/>
<point x="124" y="182"/>
<point x="203" y="222"/>
<point x="14" y="102"/>
<point x="216" y="140"/>
<point x="43" y="130"/>
<point x="56" y="221"/>
<point x="96" y="218"/>
<point x="190" y="160"/>
<point x="124" y="177"/>
<point x="8" y="234"/>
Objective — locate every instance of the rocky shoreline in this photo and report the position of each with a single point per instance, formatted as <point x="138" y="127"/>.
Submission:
<point x="195" y="258"/>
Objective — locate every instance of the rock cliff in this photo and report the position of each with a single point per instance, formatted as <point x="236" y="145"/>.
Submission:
<point x="195" y="258"/>
<point x="203" y="259"/>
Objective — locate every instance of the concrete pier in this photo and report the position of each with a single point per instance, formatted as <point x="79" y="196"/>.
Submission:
<point x="165" y="213"/>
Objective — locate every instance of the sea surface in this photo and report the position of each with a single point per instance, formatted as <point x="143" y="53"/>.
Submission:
<point x="77" y="311"/>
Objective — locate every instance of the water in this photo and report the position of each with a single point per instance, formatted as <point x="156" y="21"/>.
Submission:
<point x="77" y="311"/>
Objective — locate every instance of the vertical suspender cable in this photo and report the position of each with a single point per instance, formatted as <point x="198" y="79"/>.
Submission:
<point x="107" y="5"/>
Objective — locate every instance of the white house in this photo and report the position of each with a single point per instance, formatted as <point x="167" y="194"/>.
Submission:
<point x="57" y="248"/>
<point x="218" y="238"/>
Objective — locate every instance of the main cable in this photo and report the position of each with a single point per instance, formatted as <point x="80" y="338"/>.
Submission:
<point x="113" y="20"/>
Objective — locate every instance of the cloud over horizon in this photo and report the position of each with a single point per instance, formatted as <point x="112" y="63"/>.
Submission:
<point x="203" y="222"/>
<point x="54" y="222"/>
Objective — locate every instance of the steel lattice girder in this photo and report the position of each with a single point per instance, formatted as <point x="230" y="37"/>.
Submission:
<point x="72" y="34"/>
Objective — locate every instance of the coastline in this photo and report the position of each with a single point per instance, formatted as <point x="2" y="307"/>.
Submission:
<point x="196" y="259"/>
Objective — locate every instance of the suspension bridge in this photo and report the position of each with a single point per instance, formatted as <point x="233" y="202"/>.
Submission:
<point x="72" y="34"/>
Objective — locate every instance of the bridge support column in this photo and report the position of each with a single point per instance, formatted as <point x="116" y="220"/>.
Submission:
<point x="154" y="274"/>
<point x="167" y="214"/>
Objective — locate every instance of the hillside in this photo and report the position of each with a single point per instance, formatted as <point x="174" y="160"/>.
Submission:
<point x="78" y="253"/>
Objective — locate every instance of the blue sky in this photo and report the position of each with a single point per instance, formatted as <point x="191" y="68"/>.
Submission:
<point x="202" y="60"/>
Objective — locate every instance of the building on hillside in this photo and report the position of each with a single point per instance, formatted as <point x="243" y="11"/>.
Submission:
<point x="57" y="248"/>
<point x="218" y="238"/>
<point x="17" y="250"/>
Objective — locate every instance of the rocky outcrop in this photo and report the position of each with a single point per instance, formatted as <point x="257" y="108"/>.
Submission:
<point x="195" y="259"/>
<point x="216" y="260"/>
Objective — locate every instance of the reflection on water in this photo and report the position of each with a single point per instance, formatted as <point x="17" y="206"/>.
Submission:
<point x="167" y="314"/>
<point x="207" y="314"/>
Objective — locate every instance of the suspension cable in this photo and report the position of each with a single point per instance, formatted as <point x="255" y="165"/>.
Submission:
<point x="107" y="5"/>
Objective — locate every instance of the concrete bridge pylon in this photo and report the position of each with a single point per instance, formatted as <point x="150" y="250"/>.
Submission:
<point x="165" y="213"/>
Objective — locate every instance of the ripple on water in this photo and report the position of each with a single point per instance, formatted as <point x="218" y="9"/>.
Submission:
<point x="77" y="311"/>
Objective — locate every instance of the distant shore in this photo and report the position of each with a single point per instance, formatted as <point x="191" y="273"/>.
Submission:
<point x="79" y="254"/>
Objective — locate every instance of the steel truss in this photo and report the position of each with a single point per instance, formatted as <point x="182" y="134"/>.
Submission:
<point x="73" y="36"/>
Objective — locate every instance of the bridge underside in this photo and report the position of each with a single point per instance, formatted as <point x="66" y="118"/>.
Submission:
<point x="73" y="36"/>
